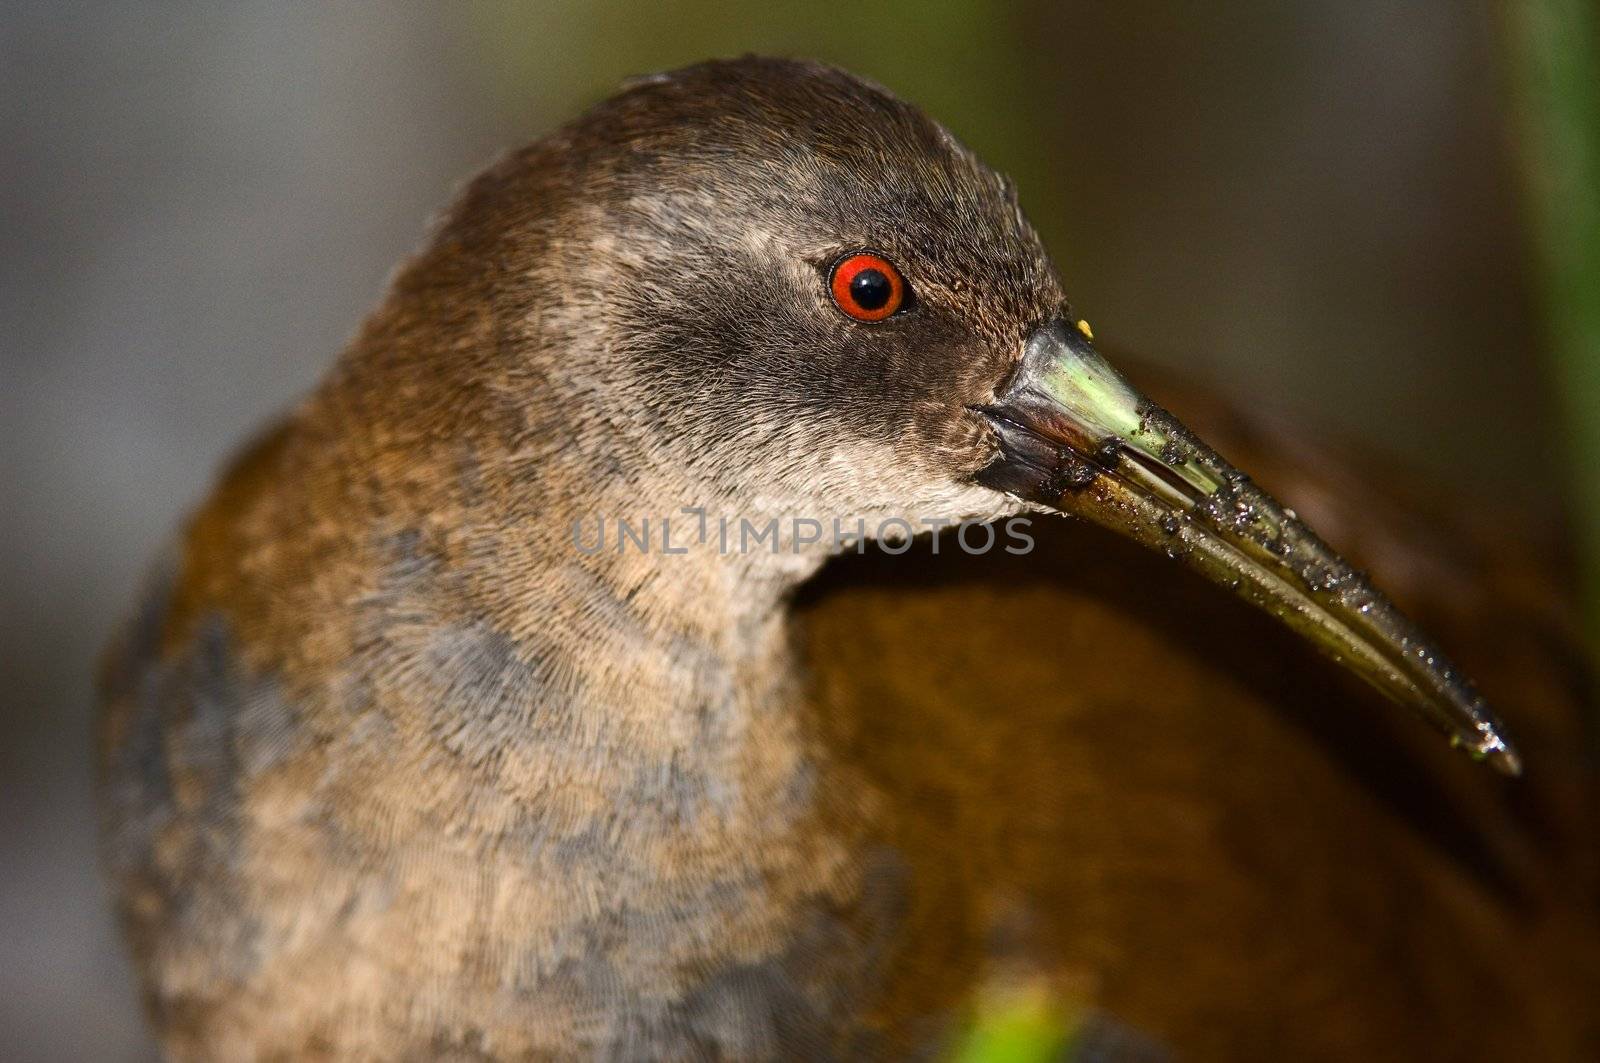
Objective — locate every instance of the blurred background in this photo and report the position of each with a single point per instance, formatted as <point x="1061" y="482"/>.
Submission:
<point x="1370" y="215"/>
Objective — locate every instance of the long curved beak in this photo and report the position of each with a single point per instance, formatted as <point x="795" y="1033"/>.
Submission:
<point x="1077" y="437"/>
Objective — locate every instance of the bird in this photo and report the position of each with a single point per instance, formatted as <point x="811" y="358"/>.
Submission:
<point x="658" y="636"/>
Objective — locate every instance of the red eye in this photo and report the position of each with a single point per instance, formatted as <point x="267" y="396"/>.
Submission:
<point x="867" y="287"/>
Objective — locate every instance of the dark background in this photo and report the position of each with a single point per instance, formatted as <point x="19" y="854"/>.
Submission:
<point x="1313" y="204"/>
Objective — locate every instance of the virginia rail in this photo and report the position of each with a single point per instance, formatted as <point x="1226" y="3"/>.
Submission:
<point x="458" y="725"/>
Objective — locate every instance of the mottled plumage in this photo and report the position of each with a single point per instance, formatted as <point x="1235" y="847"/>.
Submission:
<point x="393" y="769"/>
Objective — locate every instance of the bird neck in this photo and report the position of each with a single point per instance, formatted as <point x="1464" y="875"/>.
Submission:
<point x="673" y="616"/>
<point x="665" y="660"/>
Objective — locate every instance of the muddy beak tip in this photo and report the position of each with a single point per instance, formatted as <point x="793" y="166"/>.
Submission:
<point x="1493" y="749"/>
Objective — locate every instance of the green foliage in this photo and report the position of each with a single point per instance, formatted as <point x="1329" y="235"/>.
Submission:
<point x="1022" y="1024"/>
<point x="1556" y="56"/>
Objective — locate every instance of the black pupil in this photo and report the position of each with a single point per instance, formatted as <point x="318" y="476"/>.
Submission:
<point x="871" y="289"/>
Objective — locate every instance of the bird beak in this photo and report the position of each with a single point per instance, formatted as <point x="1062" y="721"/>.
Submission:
<point x="1078" y="438"/>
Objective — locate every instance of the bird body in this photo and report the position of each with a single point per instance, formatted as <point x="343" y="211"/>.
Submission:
<point x="395" y="766"/>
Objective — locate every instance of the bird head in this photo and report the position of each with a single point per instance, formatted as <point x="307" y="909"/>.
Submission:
<point x="784" y="290"/>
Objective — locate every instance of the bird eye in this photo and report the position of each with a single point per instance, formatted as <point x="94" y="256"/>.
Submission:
<point x="867" y="287"/>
